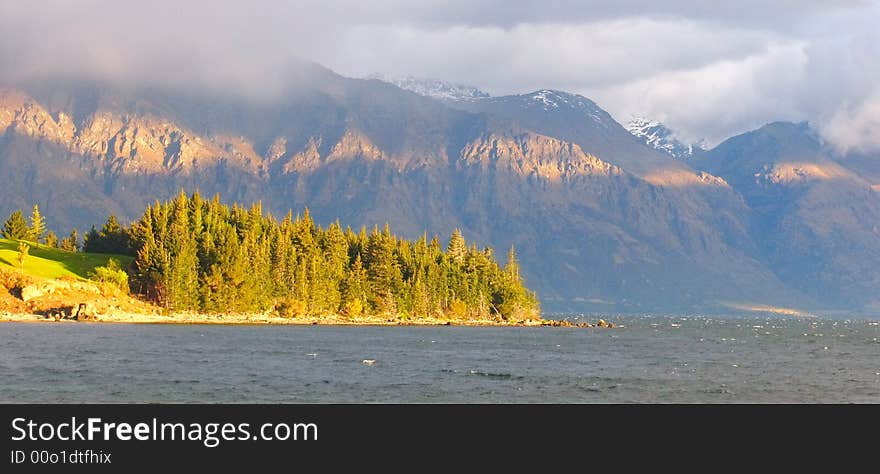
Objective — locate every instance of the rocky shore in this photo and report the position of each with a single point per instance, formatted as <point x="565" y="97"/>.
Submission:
<point x="245" y="319"/>
<point x="69" y="300"/>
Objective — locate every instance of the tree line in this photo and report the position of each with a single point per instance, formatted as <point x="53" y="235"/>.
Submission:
<point x="112" y="238"/>
<point x="199" y="254"/>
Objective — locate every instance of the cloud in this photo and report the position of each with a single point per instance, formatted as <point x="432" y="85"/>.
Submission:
<point x="720" y="98"/>
<point x="531" y="56"/>
<point x="708" y="69"/>
<point x="233" y="47"/>
<point x="856" y="127"/>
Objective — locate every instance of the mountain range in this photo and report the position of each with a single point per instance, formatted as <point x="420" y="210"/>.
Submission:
<point x="601" y="218"/>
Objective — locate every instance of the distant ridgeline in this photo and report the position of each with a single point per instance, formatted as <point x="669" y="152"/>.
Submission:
<point x="197" y="254"/>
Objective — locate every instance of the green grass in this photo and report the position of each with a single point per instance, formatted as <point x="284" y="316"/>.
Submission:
<point x="48" y="262"/>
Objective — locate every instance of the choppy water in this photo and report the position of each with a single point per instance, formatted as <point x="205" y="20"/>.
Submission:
<point x="651" y="359"/>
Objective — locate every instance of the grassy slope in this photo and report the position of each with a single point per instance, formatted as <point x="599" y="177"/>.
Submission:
<point x="48" y="262"/>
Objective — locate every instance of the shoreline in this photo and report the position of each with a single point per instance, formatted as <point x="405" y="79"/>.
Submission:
<point x="46" y="300"/>
<point x="268" y="320"/>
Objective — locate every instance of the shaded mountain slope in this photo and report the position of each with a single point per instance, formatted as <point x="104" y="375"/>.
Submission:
<point x="600" y="220"/>
<point x="818" y="219"/>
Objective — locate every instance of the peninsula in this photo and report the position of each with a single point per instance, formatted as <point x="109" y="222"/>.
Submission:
<point x="195" y="260"/>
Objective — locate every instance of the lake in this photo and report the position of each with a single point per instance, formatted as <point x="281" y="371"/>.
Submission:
<point x="651" y="359"/>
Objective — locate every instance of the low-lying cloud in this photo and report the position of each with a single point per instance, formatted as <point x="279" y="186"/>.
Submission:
<point x="707" y="69"/>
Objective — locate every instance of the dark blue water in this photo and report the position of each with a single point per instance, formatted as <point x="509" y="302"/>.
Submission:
<point x="651" y="359"/>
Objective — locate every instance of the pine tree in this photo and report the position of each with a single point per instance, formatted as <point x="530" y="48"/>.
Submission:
<point x="279" y="265"/>
<point x="182" y="279"/>
<point x="16" y="228"/>
<point x="457" y="247"/>
<point x="420" y="303"/>
<point x="71" y="242"/>
<point x="302" y="288"/>
<point x="512" y="267"/>
<point x="38" y="225"/>
<point x="261" y="269"/>
<point x="381" y="269"/>
<point x="354" y="289"/>
<point x="51" y="239"/>
<point x="113" y="238"/>
<point x="91" y="241"/>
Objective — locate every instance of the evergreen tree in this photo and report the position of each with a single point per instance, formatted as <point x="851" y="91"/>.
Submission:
<point x="355" y="289"/>
<point x="113" y="238"/>
<point x="15" y="227"/>
<point x="512" y="267"/>
<point x="38" y="225"/>
<point x="381" y="269"/>
<point x="91" y="241"/>
<point x="71" y="242"/>
<point x="51" y="239"/>
<point x="420" y="304"/>
<point x="181" y="281"/>
<point x="457" y="247"/>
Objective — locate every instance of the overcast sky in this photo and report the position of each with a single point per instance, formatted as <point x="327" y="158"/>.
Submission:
<point x="706" y="69"/>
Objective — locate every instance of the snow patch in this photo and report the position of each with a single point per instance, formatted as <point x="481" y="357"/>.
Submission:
<point x="434" y="88"/>
<point x="658" y="136"/>
<point x="549" y="100"/>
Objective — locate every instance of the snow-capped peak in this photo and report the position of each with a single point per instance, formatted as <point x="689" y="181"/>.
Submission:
<point x="549" y="99"/>
<point x="658" y="136"/>
<point x="434" y="88"/>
